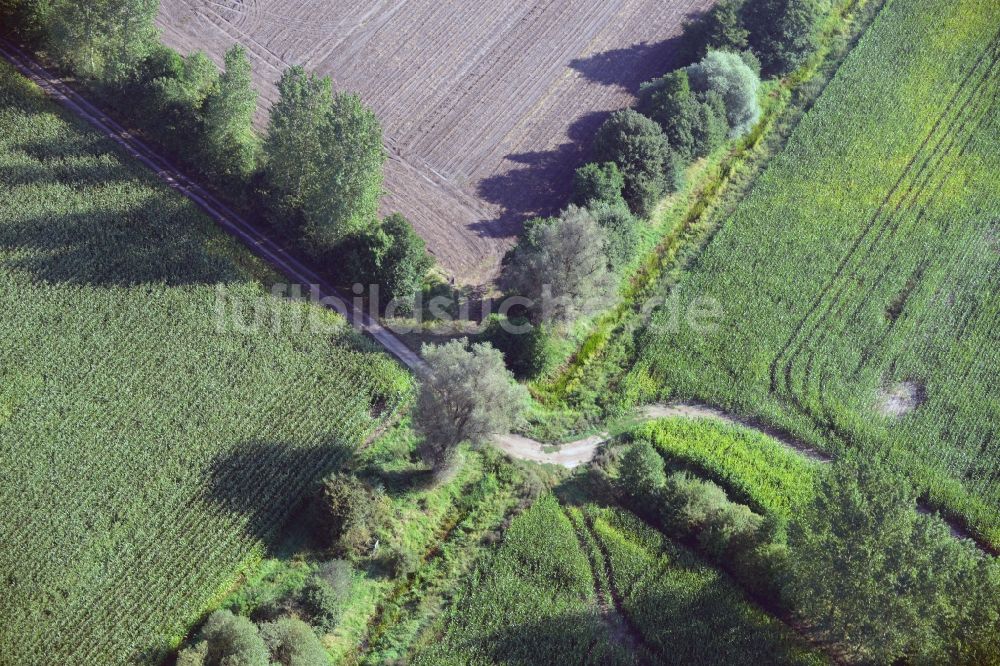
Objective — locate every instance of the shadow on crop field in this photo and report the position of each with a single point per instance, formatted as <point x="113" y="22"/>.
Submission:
<point x="262" y="484"/>
<point x="539" y="182"/>
<point x="629" y="67"/>
<point x="155" y="241"/>
<point x="564" y="638"/>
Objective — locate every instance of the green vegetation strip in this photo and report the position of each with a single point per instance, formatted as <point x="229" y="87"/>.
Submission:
<point x="757" y="468"/>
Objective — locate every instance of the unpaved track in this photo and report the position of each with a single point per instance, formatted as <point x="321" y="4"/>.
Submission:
<point x="582" y="451"/>
<point x="255" y="239"/>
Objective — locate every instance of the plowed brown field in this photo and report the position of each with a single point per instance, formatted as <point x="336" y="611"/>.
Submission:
<point x="487" y="106"/>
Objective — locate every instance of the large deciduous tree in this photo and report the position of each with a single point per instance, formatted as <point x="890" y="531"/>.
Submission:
<point x="782" y="32"/>
<point x="883" y="581"/>
<point x="728" y="75"/>
<point x="231" y="146"/>
<point x="562" y="266"/>
<point x="103" y="39"/>
<point x="468" y="397"/>
<point x="324" y="160"/>
<point x="639" y="148"/>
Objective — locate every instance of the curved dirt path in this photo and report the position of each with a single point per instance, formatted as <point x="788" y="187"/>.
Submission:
<point x="582" y="451"/>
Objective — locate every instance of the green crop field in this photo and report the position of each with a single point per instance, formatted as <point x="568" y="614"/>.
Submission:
<point x="754" y="467"/>
<point x="146" y="452"/>
<point x="860" y="276"/>
<point x="537" y="599"/>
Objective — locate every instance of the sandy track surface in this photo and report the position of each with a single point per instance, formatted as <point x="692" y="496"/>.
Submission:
<point x="582" y="451"/>
<point x="487" y="106"/>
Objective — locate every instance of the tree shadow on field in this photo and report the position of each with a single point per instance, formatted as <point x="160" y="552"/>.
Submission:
<point x="629" y="67"/>
<point x="91" y="220"/>
<point x="266" y="483"/>
<point x="539" y="183"/>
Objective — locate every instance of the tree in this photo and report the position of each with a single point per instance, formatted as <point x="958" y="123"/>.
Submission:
<point x="639" y="148"/>
<point x="594" y="183"/>
<point x="528" y="351"/>
<point x="782" y="32"/>
<point x="27" y="19"/>
<point x="670" y="102"/>
<point x="720" y="28"/>
<point x="324" y="160"/>
<point x="642" y="475"/>
<point x="729" y="76"/>
<point x="103" y="39"/>
<point x="392" y="256"/>
<point x="230" y="146"/>
<point x="713" y="125"/>
<point x="562" y="267"/>
<point x="171" y="103"/>
<point x="347" y="513"/>
<point x="621" y="229"/>
<point x="885" y="581"/>
<point x="293" y="643"/>
<point x="226" y="640"/>
<point x="468" y="397"/>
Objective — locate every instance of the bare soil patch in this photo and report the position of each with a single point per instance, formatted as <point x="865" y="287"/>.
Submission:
<point x="901" y="398"/>
<point x="487" y="106"/>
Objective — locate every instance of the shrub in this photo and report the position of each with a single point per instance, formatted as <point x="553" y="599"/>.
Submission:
<point x="392" y="256"/>
<point x="621" y="229"/>
<point x="639" y="148"/>
<point x="346" y="514"/>
<point x="782" y="32"/>
<point x="527" y="355"/>
<point x="729" y="76"/>
<point x="702" y="509"/>
<point x="641" y="475"/>
<point x="294" y="643"/>
<point x="593" y="183"/>
<point x="226" y="640"/>
<point x="323" y="600"/>
<point x="713" y="124"/>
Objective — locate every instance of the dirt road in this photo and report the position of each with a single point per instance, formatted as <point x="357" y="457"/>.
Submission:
<point x="255" y="239"/>
<point x="582" y="451"/>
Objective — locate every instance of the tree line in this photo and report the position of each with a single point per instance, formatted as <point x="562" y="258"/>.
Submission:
<point x="316" y="174"/>
<point x="640" y="155"/>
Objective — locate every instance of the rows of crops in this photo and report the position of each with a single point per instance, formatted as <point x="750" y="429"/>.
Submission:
<point x="530" y="602"/>
<point x="866" y="260"/>
<point x="754" y="467"/>
<point x="533" y="600"/>
<point x="145" y="451"/>
<point x="686" y="611"/>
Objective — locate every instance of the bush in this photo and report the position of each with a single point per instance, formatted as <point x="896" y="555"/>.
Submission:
<point x="729" y="76"/>
<point x="294" y="643"/>
<point x="392" y="256"/>
<point x="346" y="514"/>
<point x="323" y="598"/>
<point x="702" y="509"/>
<point x="639" y="148"/>
<point x="226" y="640"/>
<point x="720" y="28"/>
<point x="593" y="183"/>
<point x="782" y="32"/>
<point x="641" y="475"/>
<point x="527" y="355"/>
<point x="622" y="235"/>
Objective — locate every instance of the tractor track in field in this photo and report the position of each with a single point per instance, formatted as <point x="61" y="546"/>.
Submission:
<point x="253" y="237"/>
